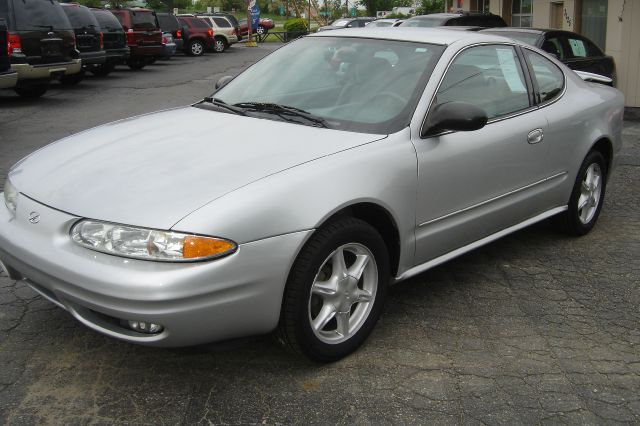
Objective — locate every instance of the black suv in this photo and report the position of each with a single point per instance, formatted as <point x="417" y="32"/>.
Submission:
<point x="41" y="44"/>
<point x="115" y="42"/>
<point x="460" y="19"/>
<point x="89" y="40"/>
<point x="8" y="78"/>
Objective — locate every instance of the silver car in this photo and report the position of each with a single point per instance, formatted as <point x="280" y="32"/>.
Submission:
<point x="370" y="156"/>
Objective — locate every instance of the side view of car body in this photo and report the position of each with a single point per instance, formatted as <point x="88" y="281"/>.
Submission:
<point x="41" y="44"/>
<point x="392" y="151"/>
<point x="200" y="35"/>
<point x="574" y="50"/>
<point x="8" y="78"/>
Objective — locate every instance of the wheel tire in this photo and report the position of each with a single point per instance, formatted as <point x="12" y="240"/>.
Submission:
<point x="261" y="30"/>
<point x="103" y="70"/>
<point x="219" y="45"/>
<point x="34" y="91"/>
<point x="587" y="196"/>
<point x="195" y="48"/>
<point x="136" y="63"/>
<point x="73" y="79"/>
<point x="361" y="299"/>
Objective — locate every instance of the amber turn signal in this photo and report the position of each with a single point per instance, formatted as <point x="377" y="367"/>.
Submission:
<point x="199" y="247"/>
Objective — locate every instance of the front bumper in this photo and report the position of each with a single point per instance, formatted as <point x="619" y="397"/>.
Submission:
<point x="46" y="71"/>
<point x="8" y="79"/>
<point x="238" y="295"/>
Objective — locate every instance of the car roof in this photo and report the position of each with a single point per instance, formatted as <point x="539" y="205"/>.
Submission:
<point x="438" y="35"/>
<point x="522" y="30"/>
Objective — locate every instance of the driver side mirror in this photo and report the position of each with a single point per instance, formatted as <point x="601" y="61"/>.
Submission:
<point x="223" y="81"/>
<point x="456" y="116"/>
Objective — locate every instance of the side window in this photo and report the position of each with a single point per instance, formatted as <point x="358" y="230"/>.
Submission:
<point x="489" y="77"/>
<point x="199" y="23"/>
<point x="592" y="49"/>
<point x="548" y="77"/>
<point x="222" y="23"/>
<point x="578" y="47"/>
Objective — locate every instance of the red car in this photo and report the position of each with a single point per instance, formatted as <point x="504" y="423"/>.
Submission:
<point x="144" y="36"/>
<point x="199" y="35"/>
<point x="263" y="26"/>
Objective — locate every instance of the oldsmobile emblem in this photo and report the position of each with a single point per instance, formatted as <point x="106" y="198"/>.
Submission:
<point x="34" y="217"/>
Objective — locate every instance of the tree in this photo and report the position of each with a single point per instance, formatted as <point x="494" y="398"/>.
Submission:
<point x="430" y="6"/>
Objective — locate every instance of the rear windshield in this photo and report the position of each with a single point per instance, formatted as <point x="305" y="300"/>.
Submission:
<point x="39" y="15"/>
<point x="80" y="17"/>
<point x="144" y="20"/>
<point x="168" y="22"/>
<point x="107" y="21"/>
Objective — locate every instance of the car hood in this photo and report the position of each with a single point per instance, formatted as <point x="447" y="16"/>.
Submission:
<point x="155" y="169"/>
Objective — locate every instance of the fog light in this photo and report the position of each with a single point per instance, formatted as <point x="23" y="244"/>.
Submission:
<point x="145" y="327"/>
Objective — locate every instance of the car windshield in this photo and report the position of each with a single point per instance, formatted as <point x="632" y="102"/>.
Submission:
<point x="525" y="37"/>
<point x="107" y="20"/>
<point x="38" y="15"/>
<point x="354" y="84"/>
<point x="424" y="22"/>
<point x="80" y="17"/>
<point x="143" y="20"/>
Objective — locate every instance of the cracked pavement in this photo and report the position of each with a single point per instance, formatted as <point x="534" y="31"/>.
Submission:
<point x="536" y="328"/>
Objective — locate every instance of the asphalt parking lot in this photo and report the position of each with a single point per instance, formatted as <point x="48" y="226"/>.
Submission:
<point x="536" y="328"/>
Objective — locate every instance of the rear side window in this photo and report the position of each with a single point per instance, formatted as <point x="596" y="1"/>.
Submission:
<point x="581" y="48"/>
<point x="222" y="23"/>
<point x="554" y="46"/>
<point x="107" y="21"/>
<point x="80" y="17"/>
<point x="168" y="23"/>
<point x="144" y="20"/>
<point x="548" y="77"/>
<point x="39" y="15"/>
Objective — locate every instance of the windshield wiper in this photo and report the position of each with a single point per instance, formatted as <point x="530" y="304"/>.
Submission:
<point x="222" y="104"/>
<point x="283" y="111"/>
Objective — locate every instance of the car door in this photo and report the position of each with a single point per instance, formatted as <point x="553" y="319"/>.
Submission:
<point x="473" y="184"/>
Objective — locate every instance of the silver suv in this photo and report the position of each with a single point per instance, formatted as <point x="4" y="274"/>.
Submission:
<point x="224" y="33"/>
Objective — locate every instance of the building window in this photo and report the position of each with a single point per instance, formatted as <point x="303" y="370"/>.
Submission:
<point x="521" y="13"/>
<point x="594" y="21"/>
<point x="483" y="5"/>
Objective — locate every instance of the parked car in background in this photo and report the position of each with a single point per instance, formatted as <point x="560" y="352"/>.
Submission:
<point x="143" y="33"/>
<point x="347" y="23"/>
<point x="200" y="35"/>
<point x="458" y="140"/>
<point x="169" y="23"/>
<point x="385" y="22"/>
<point x="224" y="33"/>
<point x="575" y="50"/>
<point x="261" y="27"/>
<point x="466" y="19"/>
<point x="89" y="40"/>
<point x="41" y="44"/>
<point x="8" y="77"/>
<point x="169" y="45"/>
<point x="234" y="21"/>
<point x="115" y="42"/>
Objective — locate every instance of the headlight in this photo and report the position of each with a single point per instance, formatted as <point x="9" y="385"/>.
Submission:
<point x="10" y="197"/>
<point x="148" y="244"/>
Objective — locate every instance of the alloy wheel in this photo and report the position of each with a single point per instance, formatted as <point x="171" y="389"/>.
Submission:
<point x="590" y="192"/>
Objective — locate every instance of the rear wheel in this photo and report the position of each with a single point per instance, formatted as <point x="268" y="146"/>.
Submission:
<point x="261" y="30"/>
<point x="195" y="48"/>
<point x="587" y="196"/>
<point x="33" y="91"/>
<point x="335" y="290"/>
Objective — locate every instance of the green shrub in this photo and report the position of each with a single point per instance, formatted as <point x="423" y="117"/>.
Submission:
<point x="295" y="25"/>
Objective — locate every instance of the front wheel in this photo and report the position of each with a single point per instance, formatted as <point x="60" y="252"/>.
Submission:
<point x="335" y="290"/>
<point x="587" y="196"/>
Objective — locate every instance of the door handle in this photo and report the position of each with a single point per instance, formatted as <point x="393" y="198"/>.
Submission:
<point x="535" y="136"/>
